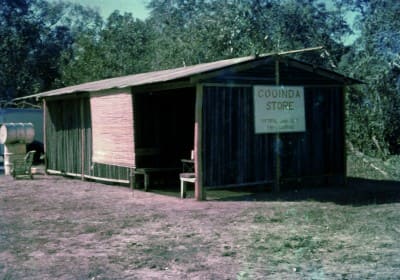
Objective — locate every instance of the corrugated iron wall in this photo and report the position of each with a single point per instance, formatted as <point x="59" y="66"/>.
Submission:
<point x="65" y="126"/>
<point x="110" y="173"/>
<point x="63" y="136"/>
<point x="320" y="150"/>
<point x="233" y="154"/>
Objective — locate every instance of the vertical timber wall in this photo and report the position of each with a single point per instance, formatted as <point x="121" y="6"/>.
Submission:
<point x="234" y="154"/>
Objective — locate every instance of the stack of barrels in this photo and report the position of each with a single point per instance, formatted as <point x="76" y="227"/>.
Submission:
<point x="15" y="136"/>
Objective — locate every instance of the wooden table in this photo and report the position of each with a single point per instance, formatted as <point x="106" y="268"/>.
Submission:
<point x="147" y="172"/>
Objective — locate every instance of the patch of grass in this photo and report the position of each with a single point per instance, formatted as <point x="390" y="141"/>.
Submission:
<point x="258" y="218"/>
<point x="91" y="229"/>
<point x="297" y="239"/>
<point x="161" y="252"/>
<point x="285" y="247"/>
<point x="229" y="254"/>
<point x="276" y="219"/>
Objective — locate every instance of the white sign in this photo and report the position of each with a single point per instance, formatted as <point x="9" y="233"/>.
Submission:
<point x="279" y="109"/>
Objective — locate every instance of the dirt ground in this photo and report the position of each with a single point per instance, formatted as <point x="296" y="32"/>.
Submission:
<point x="61" y="228"/>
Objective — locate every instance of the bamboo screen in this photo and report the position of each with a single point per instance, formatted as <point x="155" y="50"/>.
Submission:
<point x="112" y="129"/>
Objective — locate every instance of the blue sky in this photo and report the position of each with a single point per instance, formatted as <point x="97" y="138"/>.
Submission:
<point x="106" y="7"/>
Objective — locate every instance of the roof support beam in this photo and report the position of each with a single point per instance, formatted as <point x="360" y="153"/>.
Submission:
<point x="324" y="73"/>
<point x="162" y="86"/>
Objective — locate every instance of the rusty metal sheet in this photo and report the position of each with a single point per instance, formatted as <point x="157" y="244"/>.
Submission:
<point x="183" y="72"/>
<point x="145" y="78"/>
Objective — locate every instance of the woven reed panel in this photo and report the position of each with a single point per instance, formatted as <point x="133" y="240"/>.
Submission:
<point x="112" y="129"/>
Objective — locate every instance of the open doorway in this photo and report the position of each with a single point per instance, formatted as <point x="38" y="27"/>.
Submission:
<point x="164" y="130"/>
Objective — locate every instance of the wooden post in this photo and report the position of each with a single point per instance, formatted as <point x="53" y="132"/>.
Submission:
<point x="344" y="136"/>
<point x="277" y="138"/>
<point x="132" y="181"/>
<point x="44" y="134"/>
<point x="82" y="140"/>
<point x="200" y="193"/>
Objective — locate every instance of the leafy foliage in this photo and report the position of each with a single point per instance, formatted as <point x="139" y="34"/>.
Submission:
<point x="119" y="48"/>
<point x="35" y="36"/>
<point x="374" y="109"/>
<point x="200" y="31"/>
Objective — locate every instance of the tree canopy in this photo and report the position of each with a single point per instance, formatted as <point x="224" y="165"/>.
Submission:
<point x="374" y="108"/>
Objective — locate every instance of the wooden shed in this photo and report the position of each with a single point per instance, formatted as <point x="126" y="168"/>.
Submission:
<point x="249" y="121"/>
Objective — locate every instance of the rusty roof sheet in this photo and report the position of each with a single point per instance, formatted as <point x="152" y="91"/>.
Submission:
<point x="159" y="77"/>
<point x="145" y="78"/>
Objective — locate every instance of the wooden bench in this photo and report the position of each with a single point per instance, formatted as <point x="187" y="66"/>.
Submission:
<point x="147" y="172"/>
<point x="186" y="178"/>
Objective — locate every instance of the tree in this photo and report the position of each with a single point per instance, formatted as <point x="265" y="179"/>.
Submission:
<point x="199" y="31"/>
<point x="36" y="37"/>
<point x="20" y="35"/>
<point x="374" y="108"/>
<point x="119" y="48"/>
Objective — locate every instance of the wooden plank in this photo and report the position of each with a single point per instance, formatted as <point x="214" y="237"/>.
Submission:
<point x="82" y="140"/>
<point x="200" y="193"/>
<point x="73" y="96"/>
<point x="45" y="134"/>
<point x="277" y="137"/>
<point x="301" y="50"/>
<point x="343" y="100"/>
<point x="88" y="137"/>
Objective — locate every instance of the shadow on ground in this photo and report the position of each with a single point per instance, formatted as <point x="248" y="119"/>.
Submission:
<point x="357" y="192"/>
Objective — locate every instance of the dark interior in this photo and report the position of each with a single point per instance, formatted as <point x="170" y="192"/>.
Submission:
<point x="164" y="127"/>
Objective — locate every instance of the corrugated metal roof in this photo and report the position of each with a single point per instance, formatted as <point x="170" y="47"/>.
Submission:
<point x="145" y="78"/>
<point x="159" y="76"/>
